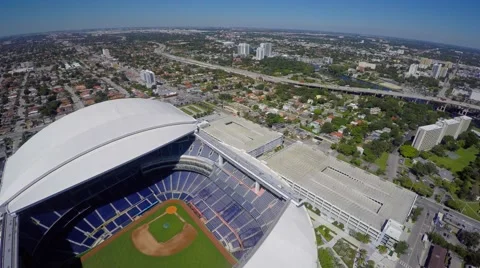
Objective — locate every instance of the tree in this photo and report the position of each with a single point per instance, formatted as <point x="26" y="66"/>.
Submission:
<point x="470" y="139"/>
<point x="421" y="169"/>
<point x="272" y="119"/>
<point x="408" y="151"/>
<point x="438" y="150"/>
<point x="453" y="204"/>
<point x="401" y="247"/>
<point x="382" y="249"/>
<point x="346" y="149"/>
<point x="327" y="128"/>
<point x="364" y="238"/>
<point x="469" y="239"/>
<point x="416" y="212"/>
<point x="362" y="257"/>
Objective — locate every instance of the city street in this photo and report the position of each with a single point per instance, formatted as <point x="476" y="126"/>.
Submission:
<point x="392" y="165"/>
<point x="77" y="103"/>
<point x="415" y="256"/>
<point x="117" y="87"/>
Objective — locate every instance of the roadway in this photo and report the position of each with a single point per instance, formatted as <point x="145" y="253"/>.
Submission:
<point x="77" y="102"/>
<point x="392" y="165"/>
<point x="326" y="86"/>
<point x="414" y="257"/>
<point x="117" y="87"/>
<point x="425" y="224"/>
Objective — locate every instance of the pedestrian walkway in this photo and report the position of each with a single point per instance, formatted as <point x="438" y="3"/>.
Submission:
<point x="340" y="233"/>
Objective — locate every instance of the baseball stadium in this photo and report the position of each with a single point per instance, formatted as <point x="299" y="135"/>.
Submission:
<point x="136" y="183"/>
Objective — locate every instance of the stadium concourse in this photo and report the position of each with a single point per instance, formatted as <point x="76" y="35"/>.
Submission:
<point x="90" y="174"/>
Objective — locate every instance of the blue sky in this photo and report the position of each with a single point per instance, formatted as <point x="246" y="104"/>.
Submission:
<point x="446" y="21"/>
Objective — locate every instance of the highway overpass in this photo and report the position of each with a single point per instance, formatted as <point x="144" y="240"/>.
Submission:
<point x="461" y="105"/>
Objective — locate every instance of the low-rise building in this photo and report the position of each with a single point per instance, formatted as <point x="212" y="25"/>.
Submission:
<point x="437" y="257"/>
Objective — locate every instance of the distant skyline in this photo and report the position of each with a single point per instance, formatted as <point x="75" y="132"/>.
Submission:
<point x="443" y="21"/>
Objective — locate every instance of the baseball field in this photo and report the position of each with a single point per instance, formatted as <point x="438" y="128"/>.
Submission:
<point x="168" y="235"/>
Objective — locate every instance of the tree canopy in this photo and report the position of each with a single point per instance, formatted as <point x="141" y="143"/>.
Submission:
<point x="408" y="151"/>
<point x="401" y="247"/>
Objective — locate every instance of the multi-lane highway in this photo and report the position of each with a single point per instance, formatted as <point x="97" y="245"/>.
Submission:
<point x="160" y="51"/>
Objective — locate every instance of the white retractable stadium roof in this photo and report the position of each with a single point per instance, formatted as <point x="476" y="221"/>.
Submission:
<point x="87" y="143"/>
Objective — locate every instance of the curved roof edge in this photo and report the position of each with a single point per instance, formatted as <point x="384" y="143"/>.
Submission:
<point x="291" y="243"/>
<point x="99" y="137"/>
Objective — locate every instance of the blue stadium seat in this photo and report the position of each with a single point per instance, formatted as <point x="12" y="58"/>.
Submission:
<point x="106" y="212"/>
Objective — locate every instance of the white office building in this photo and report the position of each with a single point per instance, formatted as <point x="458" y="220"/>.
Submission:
<point x="430" y="135"/>
<point x="412" y="70"/>
<point x="106" y="53"/>
<point x="148" y="77"/>
<point x="328" y="60"/>
<point x="260" y="53"/>
<point x="243" y="49"/>
<point x="443" y="71"/>
<point x="427" y="137"/>
<point x="464" y="124"/>
<point x="437" y="67"/>
<point x="267" y="48"/>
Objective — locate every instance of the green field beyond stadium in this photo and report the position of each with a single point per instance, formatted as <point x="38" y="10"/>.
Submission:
<point x="121" y="252"/>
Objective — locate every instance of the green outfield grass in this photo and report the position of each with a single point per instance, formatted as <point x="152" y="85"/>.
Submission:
<point x="121" y="252"/>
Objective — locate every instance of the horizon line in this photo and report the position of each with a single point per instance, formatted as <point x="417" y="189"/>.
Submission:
<point x="233" y="27"/>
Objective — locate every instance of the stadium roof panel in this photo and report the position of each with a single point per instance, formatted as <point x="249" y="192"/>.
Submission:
<point x="291" y="243"/>
<point x="359" y="193"/>
<point x="87" y="143"/>
<point x="240" y="133"/>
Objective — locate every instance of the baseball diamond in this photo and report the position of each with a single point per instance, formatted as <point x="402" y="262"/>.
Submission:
<point x="146" y="243"/>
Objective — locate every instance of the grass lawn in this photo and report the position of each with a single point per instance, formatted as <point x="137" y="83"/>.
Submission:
<point x="162" y="234"/>
<point x="211" y="105"/>
<point x="471" y="209"/>
<point x="342" y="157"/>
<point x="465" y="156"/>
<point x="381" y="162"/>
<point x="346" y="252"/>
<point x="186" y="111"/>
<point x="122" y="253"/>
<point x="195" y="109"/>
<point x="325" y="232"/>
<point x="325" y="258"/>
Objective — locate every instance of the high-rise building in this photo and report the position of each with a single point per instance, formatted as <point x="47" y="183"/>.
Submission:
<point x="427" y="137"/>
<point x="464" y="124"/>
<point x="412" y="70"/>
<point x="443" y="71"/>
<point x="267" y="48"/>
<point x="425" y="63"/>
<point x="430" y="135"/>
<point x="328" y="60"/>
<point x="106" y="53"/>
<point x="243" y="49"/>
<point x="436" y="70"/>
<point x="149" y="77"/>
<point x="260" y="54"/>
<point x="449" y="64"/>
